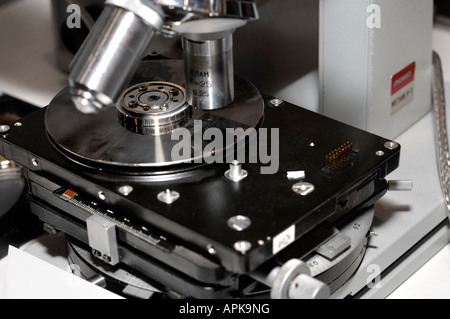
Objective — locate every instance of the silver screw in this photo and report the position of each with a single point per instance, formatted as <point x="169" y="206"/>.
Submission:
<point x="242" y="246"/>
<point x="35" y="162"/>
<point x="168" y="196"/>
<point x="18" y="124"/>
<point x="132" y="104"/>
<point x="239" y="222"/>
<point x="236" y="173"/>
<point x="391" y="145"/>
<point x="276" y="102"/>
<point x="4" y="128"/>
<point x="379" y="153"/>
<point x="211" y="249"/>
<point x="101" y="195"/>
<point x="303" y="188"/>
<point x="125" y="190"/>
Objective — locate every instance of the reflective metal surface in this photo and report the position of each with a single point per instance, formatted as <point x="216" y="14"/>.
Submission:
<point x="108" y="58"/>
<point x="209" y="72"/>
<point x="123" y="32"/>
<point x="229" y="9"/>
<point x="208" y="7"/>
<point x="100" y="140"/>
<point x="184" y="16"/>
<point x="154" y="107"/>
<point x="150" y="13"/>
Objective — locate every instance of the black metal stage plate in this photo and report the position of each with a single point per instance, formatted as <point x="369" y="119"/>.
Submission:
<point x="198" y="219"/>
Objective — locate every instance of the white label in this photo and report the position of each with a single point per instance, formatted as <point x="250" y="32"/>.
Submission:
<point x="283" y="239"/>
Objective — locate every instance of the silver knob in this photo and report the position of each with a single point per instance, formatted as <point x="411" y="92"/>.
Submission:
<point x="293" y="281"/>
<point x="307" y="287"/>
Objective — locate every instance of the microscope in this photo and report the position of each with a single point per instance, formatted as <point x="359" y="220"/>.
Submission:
<point x="148" y="218"/>
<point x="124" y="31"/>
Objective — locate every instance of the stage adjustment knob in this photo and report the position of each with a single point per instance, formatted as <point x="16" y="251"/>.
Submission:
<point x="307" y="287"/>
<point x="293" y="281"/>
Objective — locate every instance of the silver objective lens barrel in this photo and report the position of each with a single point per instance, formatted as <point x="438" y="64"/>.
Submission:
<point x="109" y="56"/>
<point x="209" y="71"/>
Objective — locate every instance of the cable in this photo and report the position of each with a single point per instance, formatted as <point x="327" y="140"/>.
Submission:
<point x="438" y="99"/>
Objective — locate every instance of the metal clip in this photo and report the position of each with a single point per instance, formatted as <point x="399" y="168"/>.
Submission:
<point x="103" y="239"/>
